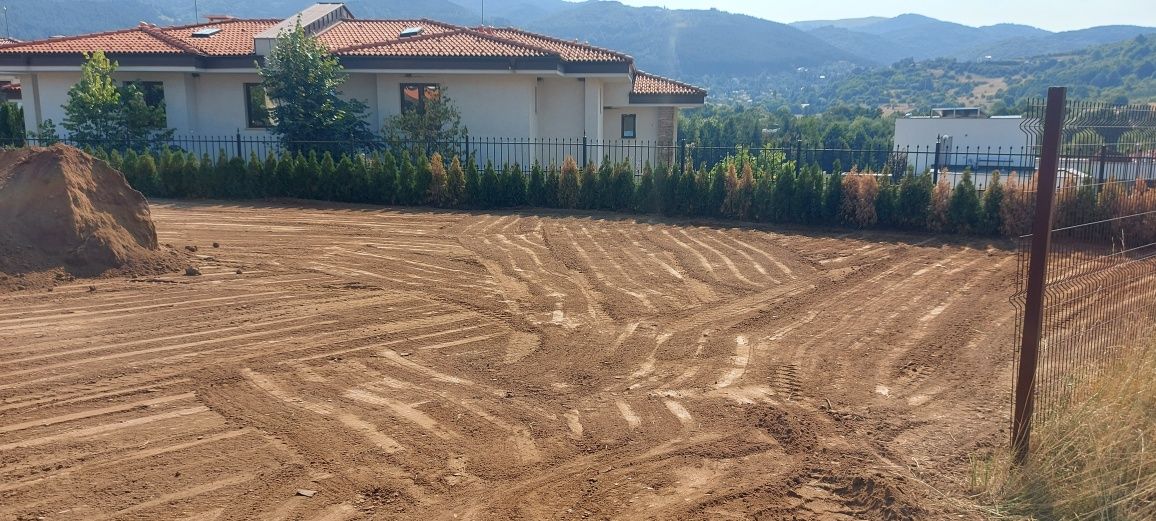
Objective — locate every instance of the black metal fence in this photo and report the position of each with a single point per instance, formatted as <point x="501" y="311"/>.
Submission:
<point x="1087" y="274"/>
<point x="1097" y="163"/>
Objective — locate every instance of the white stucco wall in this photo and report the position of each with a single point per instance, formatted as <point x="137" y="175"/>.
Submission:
<point x="490" y="105"/>
<point x="559" y="108"/>
<point x="971" y="140"/>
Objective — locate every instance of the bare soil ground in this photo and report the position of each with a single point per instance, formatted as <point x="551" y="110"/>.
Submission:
<point x="429" y="365"/>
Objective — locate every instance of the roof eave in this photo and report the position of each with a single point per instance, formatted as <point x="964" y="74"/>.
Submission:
<point x="667" y="99"/>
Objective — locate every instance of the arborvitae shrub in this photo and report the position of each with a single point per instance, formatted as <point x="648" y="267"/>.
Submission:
<point x="746" y="192"/>
<point x="439" y="185"/>
<point x="284" y="183"/>
<point x="1112" y="201"/>
<point x="128" y="168"/>
<point x="588" y="188"/>
<point x="254" y="177"/>
<point x="190" y="169"/>
<point x="474" y="195"/>
<point x="782" y="197"/>
<point x="406" y="178"/>
<point x="1019" y="206"/>
<point x="808" y="197"/>
<point x="887" y="203"/>
<point x="422" y="177"/>
<point x="938" y="219"/>
<point x="963" y="212"/>
<point x="514" y="185"/>
<point x="269" y="172"/>
<point x="762" y="209"/>
<point x="550" y="188"/>
<point x="604" y="187"/>
<point x="491" y="187"/>
<point x="310" y="172"/>
<point x="833" y="197"/>
<point x="665" y="181"/>
<point x="860" y="190"/>
<point x="390" y="180"/>
<point x="326" y="178"/>
<point x="536" y="191"/>
<point x="147" y="175"/>
<point x="716" y="182"/>
<point x="622" y="187"/>
<point x="990" y="221"/>
<point x="172" y="170"/>
<point x="569" y="187"/>
<point x="456" y="182"/>
<point x="730" y="204"/>
<point x="1075" y="203"/>
<point x="206" y="177"/>
<point x="343" y="180"/>
<point x="645" y="196"/>
<point x="914" y="201"/>
<point x="362" y="180"/>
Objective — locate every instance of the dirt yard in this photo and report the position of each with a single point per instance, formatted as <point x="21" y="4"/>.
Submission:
<point x="428" y="365"/>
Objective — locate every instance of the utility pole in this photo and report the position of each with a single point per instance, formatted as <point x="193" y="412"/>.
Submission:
<point x="7" y="30"/>
<point x="196" y="12"/>
<point x="483" y="13"/>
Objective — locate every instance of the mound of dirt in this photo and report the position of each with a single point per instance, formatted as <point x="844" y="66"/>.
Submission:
<point x="61" y="208"/>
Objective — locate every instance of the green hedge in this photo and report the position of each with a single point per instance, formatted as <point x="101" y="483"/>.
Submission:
<point x="763" y="188"/>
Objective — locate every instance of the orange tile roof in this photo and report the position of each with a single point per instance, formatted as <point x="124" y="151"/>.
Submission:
<point x="349" y="33"/>
<point x="460" y="43"/>
<point x="646" y="83"/>
<point x="135" y="40"/>
<point x="235" y="38"/>
<point x="569" y="51"/>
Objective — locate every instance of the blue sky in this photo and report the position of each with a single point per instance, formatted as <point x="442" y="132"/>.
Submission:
<point x="1053" y="15"/>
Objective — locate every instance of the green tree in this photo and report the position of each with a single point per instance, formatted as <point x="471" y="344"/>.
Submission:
<point x="303" y="79"/>
<point x="990" y="221"/>
<point x="456" y="182"/>
<point x="964" y="210"/>
<point x="433" y="124"/>
<point x="588" y="189"/>
<point x="536" y="191"/>
<point x="97" y="111"/>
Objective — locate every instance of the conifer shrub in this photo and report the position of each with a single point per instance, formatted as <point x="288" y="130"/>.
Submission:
<point x="588" y="189"/>
<point x="860" y="189"/>
<point x="938" y="218"/>
<point x="1019" y="206"/>
<point x="914" y="204"/>
<point x="569" y="186"/>
<point x="456" y="182"/>
<point x="964" y="215"/>
<point x="439" y="186"/>
<point x="536" y="189"/>
<point x="990" y="220"/>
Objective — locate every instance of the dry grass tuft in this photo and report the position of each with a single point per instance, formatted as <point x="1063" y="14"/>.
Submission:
<point x="1094" y="460"/>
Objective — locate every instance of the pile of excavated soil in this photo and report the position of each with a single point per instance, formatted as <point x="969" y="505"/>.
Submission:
<point x="62" y="209"/>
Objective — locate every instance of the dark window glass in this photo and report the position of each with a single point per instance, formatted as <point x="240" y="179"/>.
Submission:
<point x="256" y="106"/>
<point x="414" y="96"/>
<point x="629" y="122"/>
<point x="154" y="91"/>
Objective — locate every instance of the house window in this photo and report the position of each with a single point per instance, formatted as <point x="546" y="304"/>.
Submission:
<point x="629" y="126"/>
<point x="257" y="106"/>
<point x="415" y="96"/>
<point x="154" y="91"/>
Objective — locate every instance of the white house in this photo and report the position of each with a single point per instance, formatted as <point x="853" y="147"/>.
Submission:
<point x="967" y="138"/>
<point x="505" y="82"/>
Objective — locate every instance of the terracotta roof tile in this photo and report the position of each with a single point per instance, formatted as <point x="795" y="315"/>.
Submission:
<point x="645" y="83"/>
<point x="135" y="40"/>
<point x="460" y="43"/>
<point x="349" y="33"/>
<point x="570" y="51"/>
<point x="235" y="38"/>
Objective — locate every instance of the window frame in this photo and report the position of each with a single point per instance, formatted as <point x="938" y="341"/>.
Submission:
<point x="633" y="119"/>
<point x="246" y="89"/>
<point x="421" y="99"/>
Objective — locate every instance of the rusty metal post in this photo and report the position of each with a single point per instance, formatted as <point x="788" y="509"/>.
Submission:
<point x="1037" y="274"/>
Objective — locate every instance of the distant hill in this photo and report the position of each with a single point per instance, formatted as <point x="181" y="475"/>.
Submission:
<point x="886" y="40"/>
<point x="693" y="43"/>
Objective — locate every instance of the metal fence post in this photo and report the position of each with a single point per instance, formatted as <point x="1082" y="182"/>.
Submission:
<point x="239" y="143"/>
<point x="935" y="165"/>
<point x="682" y="155"/>
<point x="798" y="157"/>
<point x="584" y="143"/>
<point x="1103" y="166"/>
<point x="1037" y="274"/>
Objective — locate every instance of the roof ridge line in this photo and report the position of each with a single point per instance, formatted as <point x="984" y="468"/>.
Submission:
<point x="70" y="37"/>
<point x="671" y="80"/>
